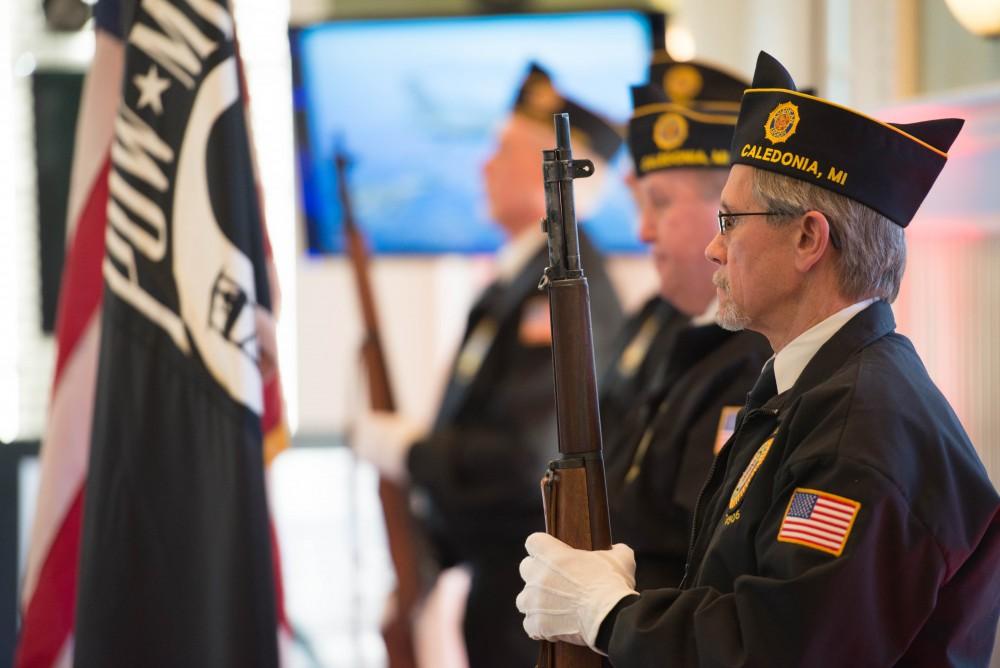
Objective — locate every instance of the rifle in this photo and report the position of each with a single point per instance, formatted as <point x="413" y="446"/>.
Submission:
<point x="574" y="491"/>
<point x="397" y="632"/>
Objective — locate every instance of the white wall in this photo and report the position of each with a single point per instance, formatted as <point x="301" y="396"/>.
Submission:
<point x="732" y="32"/>
<point x="858" y="52"/>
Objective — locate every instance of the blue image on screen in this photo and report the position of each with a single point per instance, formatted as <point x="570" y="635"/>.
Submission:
<point x="417" y="104"/>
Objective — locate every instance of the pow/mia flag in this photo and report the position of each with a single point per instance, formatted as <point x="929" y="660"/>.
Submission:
<point x="176" y="565"/>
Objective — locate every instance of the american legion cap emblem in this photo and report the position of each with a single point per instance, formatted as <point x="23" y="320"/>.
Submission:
<point x="670" y="131"/>
<point x="682" y="83"/>
<point x="781" y="123"/>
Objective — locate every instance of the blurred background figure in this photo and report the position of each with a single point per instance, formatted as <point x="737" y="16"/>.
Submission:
<point x="475" y="474"/>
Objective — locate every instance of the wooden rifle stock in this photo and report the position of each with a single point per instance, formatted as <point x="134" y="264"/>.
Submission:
<point x="397" y="633"/>
<point x="574" y="487"/>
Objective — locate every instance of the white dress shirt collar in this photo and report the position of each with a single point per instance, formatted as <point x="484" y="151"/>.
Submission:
<point x="793" y="358"/>
<point x="517" y="252"/>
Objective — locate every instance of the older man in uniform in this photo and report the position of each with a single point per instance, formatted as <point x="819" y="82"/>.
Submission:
<point x="661" y="438"/>
<point x="475" y="474"/>
<point x="848" y="521"/>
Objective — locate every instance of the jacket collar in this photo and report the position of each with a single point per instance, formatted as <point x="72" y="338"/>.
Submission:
<point x="862" y="330"/>
<point x="790" y="362"/>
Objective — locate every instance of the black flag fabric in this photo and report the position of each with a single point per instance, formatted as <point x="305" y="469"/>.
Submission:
<point x="175" y="563"/>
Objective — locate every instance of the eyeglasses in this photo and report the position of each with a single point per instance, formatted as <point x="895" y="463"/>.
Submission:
<point x="727" y="221"/>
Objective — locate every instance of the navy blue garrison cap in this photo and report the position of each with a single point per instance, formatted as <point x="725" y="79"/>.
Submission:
<point x="693" y="80"/>
<point x="538" y="98"/>
<point x="889" y="167"/>
<point x="684" y="117"/>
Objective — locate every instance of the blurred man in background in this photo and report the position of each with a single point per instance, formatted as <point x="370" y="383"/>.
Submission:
<point x="661" y="437"/>
<point x="475" y="475"/>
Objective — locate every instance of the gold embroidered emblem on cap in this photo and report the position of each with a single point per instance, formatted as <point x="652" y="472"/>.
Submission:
<point x="682" y="82"/>
<point x="670" y="131"/>
<point x="781" y="123"/>
<point x="748" y="473"/>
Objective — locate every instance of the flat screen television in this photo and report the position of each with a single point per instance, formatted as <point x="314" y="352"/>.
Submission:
<point x="417" y="103"/>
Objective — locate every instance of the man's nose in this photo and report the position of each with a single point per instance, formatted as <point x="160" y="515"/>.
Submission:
<point x="716" y="250"/>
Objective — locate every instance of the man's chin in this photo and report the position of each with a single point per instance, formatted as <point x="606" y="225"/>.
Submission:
<point x="731" y="318"/>
<point x="730" y="325"/>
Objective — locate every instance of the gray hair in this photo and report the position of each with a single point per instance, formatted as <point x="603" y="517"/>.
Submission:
<point x="872" y="248"/>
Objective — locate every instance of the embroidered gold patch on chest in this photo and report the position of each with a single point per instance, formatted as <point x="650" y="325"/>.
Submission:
<point x="749" y="472"/>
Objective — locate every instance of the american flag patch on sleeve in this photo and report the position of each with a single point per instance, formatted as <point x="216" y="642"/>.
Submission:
<point x="818" y="520"/>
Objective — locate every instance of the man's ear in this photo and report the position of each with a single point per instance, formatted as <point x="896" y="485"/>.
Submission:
<point x="812" y="240"/>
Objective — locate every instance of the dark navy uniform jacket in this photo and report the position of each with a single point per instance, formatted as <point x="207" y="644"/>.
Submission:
<point x="476" y="475"/>
<point x="916" y="578"/>
<point x="635" y="374"/>
<point x="659" y="445"/>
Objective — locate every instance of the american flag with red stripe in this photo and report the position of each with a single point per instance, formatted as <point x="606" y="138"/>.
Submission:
<point x="818" y="520"/>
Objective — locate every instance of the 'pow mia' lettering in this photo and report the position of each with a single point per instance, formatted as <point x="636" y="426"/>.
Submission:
<point x="137" y="225"/>
<point x="136" y="150"/>
<point x="179" y="46"/>
<point x="168" y="255"/>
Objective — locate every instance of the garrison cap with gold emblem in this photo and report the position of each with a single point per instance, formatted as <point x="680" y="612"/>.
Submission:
<point x="691" y="81"/>
<point x="889" y="167"/>
<point x="539" y="99"/>
<point x="690" y="125"/>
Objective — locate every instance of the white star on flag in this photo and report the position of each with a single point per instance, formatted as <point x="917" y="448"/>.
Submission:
<point x="151" y="87"/>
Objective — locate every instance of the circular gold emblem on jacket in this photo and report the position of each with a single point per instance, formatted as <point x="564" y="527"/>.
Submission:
<point x="670" y="131"/>
<point x="682" y="82"/>
<point x="781" y="123"/>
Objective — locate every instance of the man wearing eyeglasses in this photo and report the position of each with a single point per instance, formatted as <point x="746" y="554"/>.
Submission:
<point x="689" y="376"/>
<point x="848" y="521"/>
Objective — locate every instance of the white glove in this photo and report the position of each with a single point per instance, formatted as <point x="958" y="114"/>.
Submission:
<point x="569" y="592"/>
<point x="384" y="439"/>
